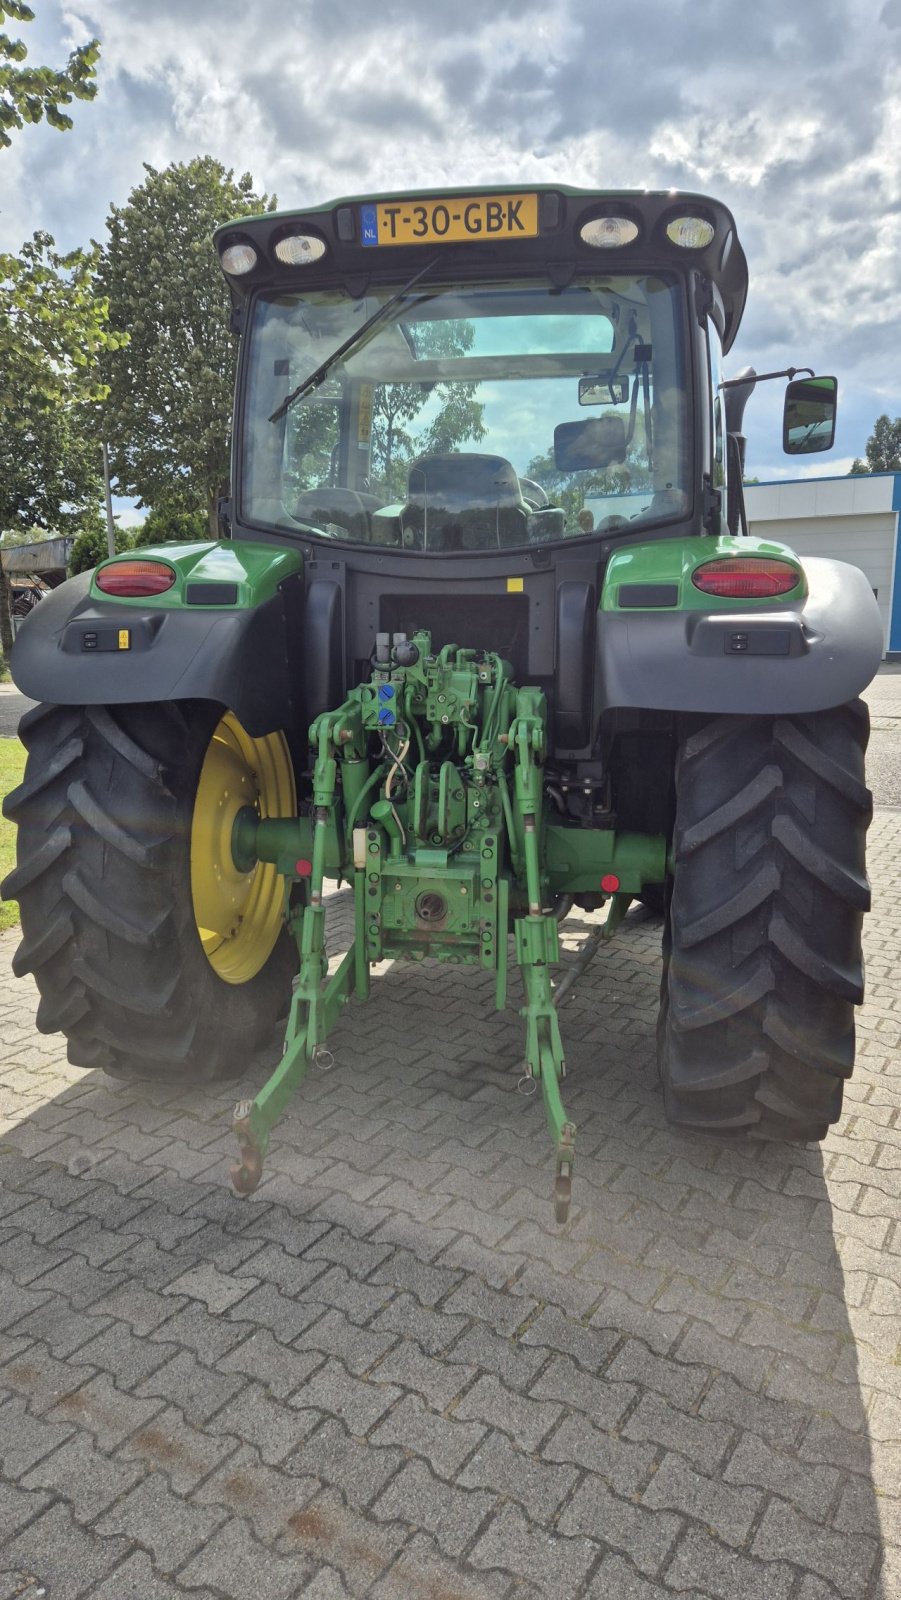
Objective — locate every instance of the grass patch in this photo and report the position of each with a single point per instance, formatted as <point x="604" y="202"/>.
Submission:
<point x="12" y="764"/>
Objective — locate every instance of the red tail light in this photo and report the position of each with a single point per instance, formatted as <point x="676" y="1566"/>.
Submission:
<point x="130" y="578"/>
<point x="746" y="577"/>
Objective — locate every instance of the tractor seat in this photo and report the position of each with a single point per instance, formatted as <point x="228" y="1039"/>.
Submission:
<point x="463" y="501"/>
<point x="343" y="507"/>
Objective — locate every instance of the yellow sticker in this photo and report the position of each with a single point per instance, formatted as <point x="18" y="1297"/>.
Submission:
<point x="514" y="585"/>
<point x="124" y="638"/>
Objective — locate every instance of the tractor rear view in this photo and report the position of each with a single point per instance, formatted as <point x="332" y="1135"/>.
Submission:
<point x="484" y="635"/>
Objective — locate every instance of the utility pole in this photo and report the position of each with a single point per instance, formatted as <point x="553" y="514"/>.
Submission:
<point x="110" y="525"/>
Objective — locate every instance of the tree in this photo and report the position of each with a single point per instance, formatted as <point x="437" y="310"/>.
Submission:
<point x="52" y="332"/>
<point x="29" y="93"/>
<point x="165" y="525"/>
<point x="169" y="409"/>
<point x="91" y="546"/>
<point x="883" y="450"/>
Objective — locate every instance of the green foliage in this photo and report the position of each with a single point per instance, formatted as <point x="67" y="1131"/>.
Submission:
<point x="29" y="93"/>
<point x="53" y="329"/>
<point x="883" y="450"/>
<point x="169" y="407"/>
<point x="169" y="526"/>
<point x="570" y="490"/>
<point x="90" y="546"/>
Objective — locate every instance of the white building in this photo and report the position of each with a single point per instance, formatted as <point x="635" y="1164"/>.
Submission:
<point x="852" y="519"/>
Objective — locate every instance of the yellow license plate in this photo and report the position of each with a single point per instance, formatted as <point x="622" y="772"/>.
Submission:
<point x="485" y="217"/>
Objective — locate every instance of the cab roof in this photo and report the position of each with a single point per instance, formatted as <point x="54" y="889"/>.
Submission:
<point x="357" y="252"/>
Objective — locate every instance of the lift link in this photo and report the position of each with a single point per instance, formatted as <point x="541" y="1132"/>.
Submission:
<point x="538" y="947"/>
<point x="314" y="1002"/>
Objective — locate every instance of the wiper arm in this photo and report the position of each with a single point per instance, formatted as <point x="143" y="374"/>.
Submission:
<point x="353" y="343"/>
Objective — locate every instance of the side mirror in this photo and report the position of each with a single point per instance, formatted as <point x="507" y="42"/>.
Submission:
<point x="603" y="391"/>
<point x="808" y="422"/>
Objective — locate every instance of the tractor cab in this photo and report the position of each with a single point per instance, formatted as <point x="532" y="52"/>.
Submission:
<point x="468" y="375"/>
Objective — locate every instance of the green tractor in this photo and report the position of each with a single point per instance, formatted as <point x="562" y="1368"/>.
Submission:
<point x="484" y="635"/>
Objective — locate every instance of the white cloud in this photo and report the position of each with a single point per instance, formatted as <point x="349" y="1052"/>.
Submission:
<point x="792" y="118"/>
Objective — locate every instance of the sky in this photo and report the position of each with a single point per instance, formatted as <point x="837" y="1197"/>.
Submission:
<point x="790" y="115"/>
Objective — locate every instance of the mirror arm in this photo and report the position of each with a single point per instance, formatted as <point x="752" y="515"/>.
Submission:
<point x="761" y="377"/>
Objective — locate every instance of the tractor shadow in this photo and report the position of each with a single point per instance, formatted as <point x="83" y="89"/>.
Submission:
<point x="735" y="1298"/>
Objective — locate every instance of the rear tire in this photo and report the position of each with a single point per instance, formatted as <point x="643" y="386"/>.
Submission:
<point x="762" y="954"/>
<point x="103" y="880"/>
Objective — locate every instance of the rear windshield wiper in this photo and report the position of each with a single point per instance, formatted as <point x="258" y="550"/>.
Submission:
<point x="353" y="343"/>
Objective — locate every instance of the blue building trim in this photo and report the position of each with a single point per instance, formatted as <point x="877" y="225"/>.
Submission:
<point x="894" y="625"/>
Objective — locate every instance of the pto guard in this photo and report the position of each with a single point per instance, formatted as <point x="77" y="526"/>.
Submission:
<point x="763" y="658"/>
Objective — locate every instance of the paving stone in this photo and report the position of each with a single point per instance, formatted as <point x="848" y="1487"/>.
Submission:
<point x="358" y="1403"/>
<point x="25" y="1439"/>
<point x="634" y="1362"/>
<point x="702" y="1561"/>
<point x="810" y="1488"/>
<point x="335" y="1334"/>
<point x="655" y="1421"/>
<point x="606" y="1403"/>
<point x="208" y="1336"/>
<point x="422" y="1573"/>
<point x="404" y="1271"/>
<point x="537" y="1486"/>
<point x="236" y="1564"/>
<point x="343" y="1250"/>
<point x="281" y="1371"/>
<point x="515" y="1364"/>
<point x="675" y="1486"/>
<point x="622" y="1464"/>
<point x="451" y="1515"/>
<point x="777" y="1421"/>
<point x="438" y="1382"/>
<point x="253" y="1418"/>
<point x="169" y="1444"/>
<point x="66" y="1561"/>
<point x="136" y="1580"/>
<point x="331" y="1533"/>
<point x="359" y="1470"/>
<point x="553" y="1330"/>
<point x="42" y="1379"/>
<point x="119" y="1353"/>
<point x="15" y="1302"/>
<point x="186" y="1383"/>
<point x="502" y="1312"/>
<point x="267" y="1497"/>
<point x="24" y="1260"/>
<point x="161" y="1521"/>
<point x="217" y="1290"/>
<point x="86" y="1478"/>
<point x="338" y="1290"/>
<point x="143" y="1309"/>
<point x="556" y="1564"/>
<point x="432" y="1330"/>
<point x="847" y="1560"/>
<point x="445" y="1442"/>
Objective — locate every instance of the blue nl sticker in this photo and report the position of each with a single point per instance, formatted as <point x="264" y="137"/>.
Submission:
<point x="369" y="225"/>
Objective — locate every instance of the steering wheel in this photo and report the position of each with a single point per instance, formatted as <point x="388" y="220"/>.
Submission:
<point x="533" y="494"/>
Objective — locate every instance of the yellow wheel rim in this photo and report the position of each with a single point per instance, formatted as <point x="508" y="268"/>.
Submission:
<point x="238" y="914"/>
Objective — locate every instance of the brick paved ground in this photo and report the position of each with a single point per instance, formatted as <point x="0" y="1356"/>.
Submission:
<point x="388" y="1374"/>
